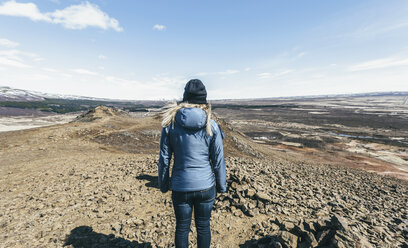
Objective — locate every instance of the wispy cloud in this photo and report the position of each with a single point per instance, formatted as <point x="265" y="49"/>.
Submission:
<point x="11" y="62"/>
<point x="20" y="55"/>
<point x="228" y="72"/>
<point x="268" y="75"/>
<point x="120" y="81"/>
<point x="301" y="54"/>
<point x="78" y="16"/>
<point x="8" y="43"/>
<point x="85" y="72"/>
<point x="379" y="27"/>
<point x="168" y="81"/>
<point x="102" y="57"/>
<point x="379" y="64"/>
<point x="17" y="58"/>
<point x="201" y="74"/>
<point x="159" y="27"/>
<point x="47" y="69"/>
<point x="155" y="88"/>
<point x="223" y="73"/>
<point x="264" y="75"/>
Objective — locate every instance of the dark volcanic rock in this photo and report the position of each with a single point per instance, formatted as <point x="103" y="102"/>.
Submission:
<point x="314" y="211"/>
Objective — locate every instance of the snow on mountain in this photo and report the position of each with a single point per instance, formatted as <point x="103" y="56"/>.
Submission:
<point x="12" y="94"/>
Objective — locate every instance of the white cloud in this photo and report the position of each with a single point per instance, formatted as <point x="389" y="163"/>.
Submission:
<point x="18" y="55"/>
<point x="301" y="54"/>
<point x="102" y="57"/>
<point x="17" y="58"/>
<point x="159" y="27"/>
<point x="393" y="27"/>
<point x="247" y="69"/>
<point x="264" y="75"/>
<point x="201" y="74"/>
<point x="156" y="88"/>
<point x="83" y="15"/>
<point x="29" y="10"/>
<point x="268" y="75"/>
<point x="11" y="62"/>
<point x="379" y="27"/>
<point x="66" y="75"/>
<point x="167" y="81"/>
<point x="72" y="17"/>
<point x="379" y="64"/>
<point x="284" y="72"/>
<point x="223" y="73"/>
<point x="228" y="72"/>
<point x="120" y="81"/>
<point x="85" y="72"/>
<point x="49" y="69"/>
<point x="8" y="43"/>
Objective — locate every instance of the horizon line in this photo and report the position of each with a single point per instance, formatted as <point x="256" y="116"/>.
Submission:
<point x="221" y="99"/>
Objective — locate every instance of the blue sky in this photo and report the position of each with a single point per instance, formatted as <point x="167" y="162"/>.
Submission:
<point x="240" y="49"/>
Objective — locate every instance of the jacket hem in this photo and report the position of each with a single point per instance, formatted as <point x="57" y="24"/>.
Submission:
<point x="193" y="189"/>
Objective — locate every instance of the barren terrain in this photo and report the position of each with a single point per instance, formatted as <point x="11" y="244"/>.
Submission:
<point x="93" y="183"/>
<point x="370" y="133"/>
<point x="11" y="123"/>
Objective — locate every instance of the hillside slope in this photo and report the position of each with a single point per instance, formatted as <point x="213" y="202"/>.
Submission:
<point x="93" y="183"/>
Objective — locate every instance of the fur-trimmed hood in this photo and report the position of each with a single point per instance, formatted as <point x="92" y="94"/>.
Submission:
<point x="171" y="110"/>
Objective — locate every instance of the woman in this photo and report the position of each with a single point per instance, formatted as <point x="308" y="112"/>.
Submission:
<point x="199" y="168"/>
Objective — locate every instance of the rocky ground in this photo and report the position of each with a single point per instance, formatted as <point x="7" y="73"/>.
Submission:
<point x="93" y="183"/>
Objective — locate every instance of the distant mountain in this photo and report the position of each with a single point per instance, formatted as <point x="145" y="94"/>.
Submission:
<point x="12" y="94"/>
<point x="15" y="102"/>
<point x="365" y="94"/>
<point x="19" y="95"/>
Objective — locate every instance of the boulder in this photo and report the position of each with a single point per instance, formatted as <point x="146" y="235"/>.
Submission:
<point x="263" y="197"/>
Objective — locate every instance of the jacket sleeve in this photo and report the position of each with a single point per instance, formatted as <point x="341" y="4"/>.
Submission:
<point x="164" y="161"/>
<point x="217" y="159"/>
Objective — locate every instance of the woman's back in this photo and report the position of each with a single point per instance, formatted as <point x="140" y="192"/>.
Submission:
<point x="192" y="169"/>
<point x="194" y="148"/>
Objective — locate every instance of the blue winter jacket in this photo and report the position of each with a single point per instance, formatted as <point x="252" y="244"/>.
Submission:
<point x="198" y="157"/>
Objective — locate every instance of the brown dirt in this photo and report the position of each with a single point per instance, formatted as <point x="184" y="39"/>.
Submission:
<point x="93" y="183"/>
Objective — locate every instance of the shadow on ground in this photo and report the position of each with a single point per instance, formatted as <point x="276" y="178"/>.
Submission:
<point x="85" y="237"/>
<point x="153" y="180"/>
<point x="266" y="241"/>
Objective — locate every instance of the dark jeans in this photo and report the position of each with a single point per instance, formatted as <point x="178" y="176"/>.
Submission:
<point x="202" y="202"/>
